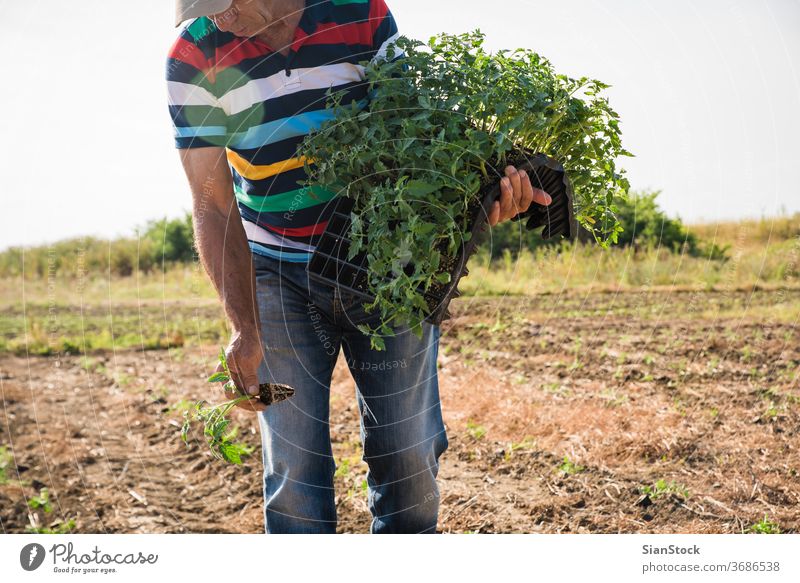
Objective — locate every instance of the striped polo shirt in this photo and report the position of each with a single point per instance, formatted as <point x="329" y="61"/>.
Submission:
<point x="239" y="93"/>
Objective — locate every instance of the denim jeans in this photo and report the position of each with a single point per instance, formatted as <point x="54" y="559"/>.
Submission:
<point x="304" y="325"/>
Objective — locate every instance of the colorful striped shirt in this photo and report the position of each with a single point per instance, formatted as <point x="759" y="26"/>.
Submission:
<point x="238" y="93"/>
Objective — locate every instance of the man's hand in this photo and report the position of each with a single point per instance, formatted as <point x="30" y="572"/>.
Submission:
<point x="244" y="357"/>
<point x="516" y="195"/>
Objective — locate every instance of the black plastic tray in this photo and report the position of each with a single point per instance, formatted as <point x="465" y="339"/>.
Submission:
<point x="558" y="218"/>
<point x="329" y="264"/>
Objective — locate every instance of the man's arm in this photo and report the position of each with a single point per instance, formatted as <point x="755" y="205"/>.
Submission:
<point x="226" y="257"/>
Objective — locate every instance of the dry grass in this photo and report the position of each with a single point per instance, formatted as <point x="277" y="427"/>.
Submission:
<point x="760" y="253"/>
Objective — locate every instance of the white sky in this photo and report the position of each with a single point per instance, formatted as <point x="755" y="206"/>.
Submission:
<point x="708" y="91"/>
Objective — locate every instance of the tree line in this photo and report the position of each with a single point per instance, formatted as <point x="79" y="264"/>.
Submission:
<point x="163" y="243"/>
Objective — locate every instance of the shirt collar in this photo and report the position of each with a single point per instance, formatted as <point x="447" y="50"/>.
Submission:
<point x="314" y="12"/>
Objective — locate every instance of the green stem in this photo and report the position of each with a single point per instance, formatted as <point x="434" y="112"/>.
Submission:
<point x="228" y="405"/>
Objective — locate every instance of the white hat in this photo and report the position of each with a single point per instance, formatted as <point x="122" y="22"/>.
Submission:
<point x="186" y="9"/>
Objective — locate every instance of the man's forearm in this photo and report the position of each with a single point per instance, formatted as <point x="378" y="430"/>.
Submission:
<point x="226" y="257"/>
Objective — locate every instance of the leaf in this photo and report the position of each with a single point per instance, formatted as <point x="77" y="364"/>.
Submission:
<point x="185" y="427"/>
<point x="233" y="452"/>
<point x="377" y="343"/>
<point x="223" y="360"/>
<point x="418" y="188"/>
<point x="218" y="377"/>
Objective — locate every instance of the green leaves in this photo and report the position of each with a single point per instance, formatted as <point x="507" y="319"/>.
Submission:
<point x="216" y="426"/>
<point x="41" y="501"/>
<point x="233" y="452"/>
<point x="218" y="377"/>
<point x="223" y="360"/>
<point x="442" y="123"/>
<point x="419" y="188"/>
<point x="442" y="277"/>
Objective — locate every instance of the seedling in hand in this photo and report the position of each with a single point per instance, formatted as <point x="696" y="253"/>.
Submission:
<point x="219" y="435"/>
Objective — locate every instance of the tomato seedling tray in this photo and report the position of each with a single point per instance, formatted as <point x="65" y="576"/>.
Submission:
<point x="330" y="265"/>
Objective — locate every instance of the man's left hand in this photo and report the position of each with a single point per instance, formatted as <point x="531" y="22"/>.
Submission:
<point x="516" y="195"/>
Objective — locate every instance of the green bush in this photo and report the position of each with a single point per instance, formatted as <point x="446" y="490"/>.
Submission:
<point x="158" y="244"/>
<point x="645" y="226"/>
<point x="171" y="240"/>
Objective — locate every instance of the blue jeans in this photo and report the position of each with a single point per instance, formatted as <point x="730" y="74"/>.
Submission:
<point x="304" y="324"/>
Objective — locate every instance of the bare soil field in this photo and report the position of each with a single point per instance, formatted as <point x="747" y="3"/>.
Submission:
<point x="646" y="412"/>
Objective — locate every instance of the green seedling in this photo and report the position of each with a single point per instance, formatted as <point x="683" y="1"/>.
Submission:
<point x="41" y="501"/>
<point x="359" y="488"/>
<point x="765" y="526"/>
<point x="679" y="406"/>
<point x="56" y="527"/>
<point x="123" y="379"/>
<point x="772" y="410"/>
<point x="613" y="398"/>
<point x="576" y="361"/>
<point x="663" y="488"/>
<point x="557" y="388"/>
<point x="6" y="458"/>
<point x="343" y="468"/>
<point x="569" y="467"/>
<point x="474" y="430"/>
<point x="219" y="434"/>
<point x="499" y="326"/>
<point x="528" y="443"/>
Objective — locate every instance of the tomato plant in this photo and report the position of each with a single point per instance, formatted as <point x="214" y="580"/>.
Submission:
<point x="442" y="121"/>
<point x="219" y="434"/>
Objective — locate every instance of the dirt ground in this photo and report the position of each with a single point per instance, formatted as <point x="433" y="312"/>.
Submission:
<point x="640" y="412"/>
